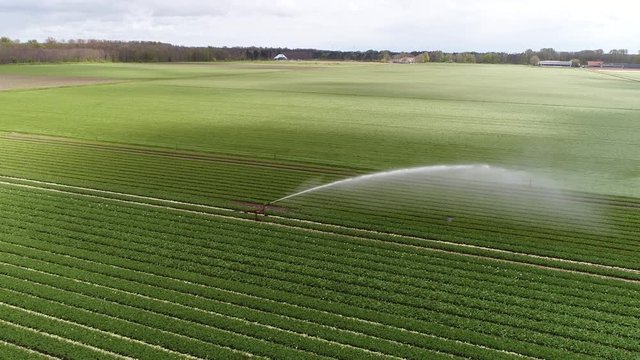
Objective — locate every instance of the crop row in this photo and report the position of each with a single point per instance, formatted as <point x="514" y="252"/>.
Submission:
<point x="397" y="191"/>
<point x="364" y="214"/>
<point x="14" y="351"/>
<point x="226" y="183"/>
<point x="24" y="310"/>
<point x="155" y="153"/>
<point x="468" y="214"/>
<point x="163" y="224"/>
<point x="202" y="176"/>
<point x="179" y="171"/>
<point x="36" y="340"/>
<point x="612" y="239"/>
<point x="419" y="243"/>
<point x="493" y="239"/>
<point x="411" y="337"/>
<point x="123" y="181"/>
<point x="288" y="276"/>
<point x="248" y="255"/>
<point x="536" y="206"/>
<point x="117" y="211"/>
<point x="193" y="194"/>
<point x="156" y="156"/>
<point x="94" y="155"/>
<point x="165" y="174"/>
<point x="90" y="291"/>
<point x="529" y="346"/>
<point x="402" y="302"/>
<point x="138" y="309"/>
<point x="153" y="321"/>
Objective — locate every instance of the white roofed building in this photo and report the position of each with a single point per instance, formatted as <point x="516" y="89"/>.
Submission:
<point x="555" y="63"/>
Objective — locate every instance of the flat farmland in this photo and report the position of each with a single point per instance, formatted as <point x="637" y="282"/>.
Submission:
<point x="149" y="217"/>
<point x="11" y="82"/>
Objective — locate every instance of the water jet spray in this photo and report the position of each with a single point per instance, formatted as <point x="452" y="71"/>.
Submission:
<point x="390" y="173"/>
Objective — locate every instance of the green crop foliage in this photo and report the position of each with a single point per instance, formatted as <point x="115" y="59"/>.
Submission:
<point x="577" y="126"/>
<point x="127" y="229"/>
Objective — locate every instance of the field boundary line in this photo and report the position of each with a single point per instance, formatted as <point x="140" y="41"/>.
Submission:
<point x="86" y="327"/>
<point x="31" y="351"/>
<point x="60" y="338"/>
<point x="356" y="319"/>
<point x="233" y="215"/>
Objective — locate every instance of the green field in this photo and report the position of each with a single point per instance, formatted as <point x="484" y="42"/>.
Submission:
<point x="128" y="231"/>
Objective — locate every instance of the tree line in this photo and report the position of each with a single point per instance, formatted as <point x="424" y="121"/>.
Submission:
<point x="52" y="50"/>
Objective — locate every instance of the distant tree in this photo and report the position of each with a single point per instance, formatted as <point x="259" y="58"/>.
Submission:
<point x="618" y="55"/>
<point x="445" y="58"/>
<point x="400" y="56"/>
<point x="423" y="58"/>
<point x="491" y="58"/>
<point x="50" y="41"/>
<point x="548" y="54"/>
<point x="434" y="56"/>
<point x="386" y="56"/>
<point x="6" y="42"/>
<point x="53" y="50"/>
<point x="528" y="53"/>
<point x="534" y="60"/>
<point x="575" y="62"/>
<point x="465" y="58"/>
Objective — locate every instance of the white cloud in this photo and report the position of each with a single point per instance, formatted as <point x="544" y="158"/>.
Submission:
<point x="453" y="25"/>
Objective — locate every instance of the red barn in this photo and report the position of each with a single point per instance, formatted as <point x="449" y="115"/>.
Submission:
<point x="595" y="63"/>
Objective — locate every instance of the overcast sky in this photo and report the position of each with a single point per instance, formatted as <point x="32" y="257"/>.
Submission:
<point x="450" y="25"/>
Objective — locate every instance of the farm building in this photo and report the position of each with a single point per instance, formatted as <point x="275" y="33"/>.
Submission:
<point x="555" y="63"/>
<point x="405" y="60"/>
<point x="620" y="66"/>
<point x="280" y="57"/>
<point x="595" y="63"/>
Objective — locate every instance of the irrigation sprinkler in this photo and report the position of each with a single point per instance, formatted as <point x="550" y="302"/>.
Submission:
<point x="260" y="211"/>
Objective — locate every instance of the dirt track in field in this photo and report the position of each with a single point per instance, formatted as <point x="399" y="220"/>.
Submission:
<point x="15" y="82"/>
